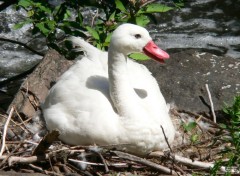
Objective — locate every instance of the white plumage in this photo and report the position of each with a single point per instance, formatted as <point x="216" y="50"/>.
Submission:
<point x="106" y="98"/>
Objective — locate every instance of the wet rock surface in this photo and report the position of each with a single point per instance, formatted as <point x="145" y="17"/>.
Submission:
<point x="182" y="79"/>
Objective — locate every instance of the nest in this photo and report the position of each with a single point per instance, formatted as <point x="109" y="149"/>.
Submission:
<point x="196" y="148"/>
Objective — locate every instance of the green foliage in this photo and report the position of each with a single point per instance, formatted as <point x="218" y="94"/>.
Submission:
<point x="154" y="8"/>
<point x="51" y="20"/>
<point x="139" y="56"/>
<point x="189" y="128"/>
<point x="231" y="153"/>
<point x="234" y="111"/>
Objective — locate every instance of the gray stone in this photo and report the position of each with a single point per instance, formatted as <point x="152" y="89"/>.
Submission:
<point x="183" y="77"/>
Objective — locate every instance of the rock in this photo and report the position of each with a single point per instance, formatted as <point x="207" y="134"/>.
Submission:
<point x="35" y="87"/>
<point x="182" y="79"/>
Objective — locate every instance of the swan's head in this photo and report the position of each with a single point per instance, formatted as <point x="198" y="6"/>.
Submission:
<point x="130" y="38"/>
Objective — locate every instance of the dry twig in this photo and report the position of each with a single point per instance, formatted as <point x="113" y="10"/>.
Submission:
<point x="26" y="160"/>
<point x="104" y="162"/>
<point x="5" y="131"/>
<point x="166" y="139"/>
<point x="144" y="162"/>
<point x="22" y="122"/>
<point x="187" y="161"/>
<point x="211" y="103"/>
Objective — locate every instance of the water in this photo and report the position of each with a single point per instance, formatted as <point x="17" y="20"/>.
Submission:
<point x="207" y="25"/>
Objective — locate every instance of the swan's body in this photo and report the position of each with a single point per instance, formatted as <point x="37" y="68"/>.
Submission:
<point x="110" y="101"/>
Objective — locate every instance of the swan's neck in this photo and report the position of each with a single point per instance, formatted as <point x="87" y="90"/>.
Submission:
<point x="122" y="93"/>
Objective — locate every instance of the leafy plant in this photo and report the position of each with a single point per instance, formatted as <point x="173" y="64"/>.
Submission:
<point x="188" y="128"/>
<point x="232" y="152"/>
<point x="53" y="22"/>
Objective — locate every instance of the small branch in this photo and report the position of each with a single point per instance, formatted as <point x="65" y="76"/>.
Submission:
<point x="39" y="169"/>
<point x="144" y="162"/>
<point x="5" y="131"/>
<point x="33" y="99"/>
<point x="26" y="160"/>
<point x="22" y="44"/>
<point x="22" y="122"/>
<point x="86" y="162"/>
<point x="99" y="164"/>
<point x="187" y="161"/>
<point x="10" y="154"/>
<point x="94" y="17"/>
<point x="166" y="139"/>
<point x="191" y="162"/>
<point x="104" y="162"/>
<point x="195" y="163"/>
<point x="211" y="103"/>
<point x="15" y="123"/>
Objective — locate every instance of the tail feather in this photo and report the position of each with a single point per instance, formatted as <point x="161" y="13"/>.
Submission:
<point x="81" y="45"/>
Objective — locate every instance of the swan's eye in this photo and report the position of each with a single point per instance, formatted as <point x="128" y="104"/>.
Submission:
<point x="137" y="36"/>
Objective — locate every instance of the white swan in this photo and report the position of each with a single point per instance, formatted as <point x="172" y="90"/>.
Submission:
<point x="114" y="101"/>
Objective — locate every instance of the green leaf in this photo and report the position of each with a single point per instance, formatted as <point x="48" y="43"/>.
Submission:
<point x="107" y="41"/>
<point x="73" y="24"/>
<point x="67" y="14"/>
<point x="139" y="56"/>
<point x="189" y="126"/>
<point x="112" y="16"/>
<point x="50" y="24"/>
<point x="99" y="46"/>
<point x="108" y="38"/>
<point x="30" y="13"/>
<point x="42" y="28"/>
<point x="154" y="8"/>
<point x="120" y="6"/>
<point x="21" y="24"/>
<point x="25" y="3"/>
<point x="179" y="5"/>
<point x="194" y="138"/>
<point x="142" y="20"/>
<point x="18" y="25"/>
<point x="43" y="8"/>
<point x="224" y="126"/>
<point x="93" y="32"/>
